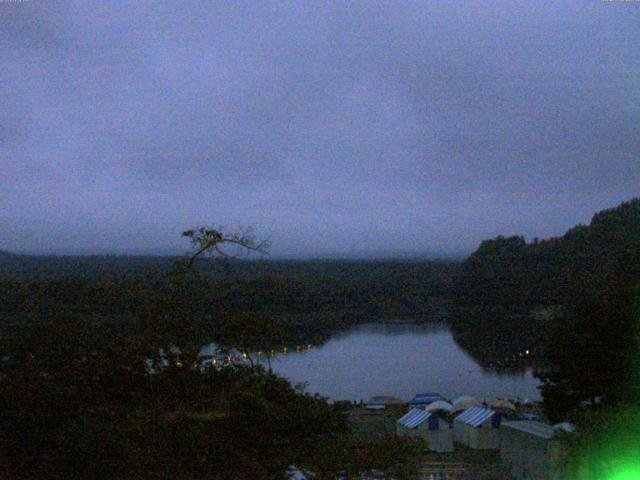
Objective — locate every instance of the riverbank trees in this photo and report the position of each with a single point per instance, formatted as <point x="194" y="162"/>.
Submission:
<point x="511" y="296"/>
<point x="78" y="400"/>
<point x="592" y="349"/>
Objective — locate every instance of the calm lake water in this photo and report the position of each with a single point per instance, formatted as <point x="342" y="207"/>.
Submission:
<point x="398" y="360"/>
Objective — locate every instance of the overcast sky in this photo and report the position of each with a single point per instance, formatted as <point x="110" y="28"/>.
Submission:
<point x="335" y="128"/>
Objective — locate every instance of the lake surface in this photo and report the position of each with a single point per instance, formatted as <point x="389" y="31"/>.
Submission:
<point x="398" y="360"/>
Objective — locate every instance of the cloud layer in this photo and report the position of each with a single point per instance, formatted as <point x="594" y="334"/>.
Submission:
<point x="351" y="128"/>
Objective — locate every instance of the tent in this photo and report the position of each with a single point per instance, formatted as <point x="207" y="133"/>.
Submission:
<point x="381" y="402"/>
<point x="439" y="406"/>
<point x="564" y="427"/>
<point x="478" y="428"/>
<point x="424" y="399"/>
<point x="501" y="404"/>
<point x="462" y="403"/>
<point x="435" y="431"/>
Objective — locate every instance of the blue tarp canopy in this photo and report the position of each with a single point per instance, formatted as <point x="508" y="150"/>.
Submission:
<point x="426" y="398"/>
<point x="476" y="416"/>
<point x="414" y="418"/>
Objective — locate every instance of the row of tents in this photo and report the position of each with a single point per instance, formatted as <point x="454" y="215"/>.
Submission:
<point x="529" y="450"/>
<point x="437" y="403"/>
<point x="476" y="427"/>
<point x="441" y="422"/>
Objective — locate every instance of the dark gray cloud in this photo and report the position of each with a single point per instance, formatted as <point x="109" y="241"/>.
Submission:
<point x="333" y="127"/>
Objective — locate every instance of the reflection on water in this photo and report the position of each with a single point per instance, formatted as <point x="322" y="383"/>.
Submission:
<point x="398" y="360"/>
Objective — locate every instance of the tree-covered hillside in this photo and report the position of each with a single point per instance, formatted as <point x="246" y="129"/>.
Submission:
<point x="508" y="271"/>
<point x="310" y="299"/>
<point x="509" y="293"/>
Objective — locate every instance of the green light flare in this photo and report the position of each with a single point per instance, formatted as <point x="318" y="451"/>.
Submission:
<point x="627" y="472"/>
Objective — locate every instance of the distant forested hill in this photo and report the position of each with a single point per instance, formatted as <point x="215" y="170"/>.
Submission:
<point x="507" y="283"/>
<point x="40" y="267"/>
<point x="508" y="271"/>
<point x="501" y="300"/>
<point x="310" y="298"/>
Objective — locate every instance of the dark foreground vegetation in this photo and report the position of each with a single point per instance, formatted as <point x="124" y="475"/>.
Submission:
<point x="85" y="400"/>
<point x="101" y="374"/>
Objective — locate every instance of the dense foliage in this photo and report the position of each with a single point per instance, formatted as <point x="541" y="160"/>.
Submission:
<point x="574" y="303"/>
<point x="509" y="271"/>
<point x="592" y="350"/>
<point x="102" y="373"/>
<point x="309" y="300"/>
<point x="510" y="294"/>
<point x="571" y="302"/>
<point x="78" y="400"/>
<point x="88" y="399"/>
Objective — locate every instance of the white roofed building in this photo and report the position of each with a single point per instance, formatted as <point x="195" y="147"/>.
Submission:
<point x="479" y="428"/>
<point x="434" y="430"/>
<point x="439" y="406"/>
<point x="462" y="403"/>
<point x="382" y="402"/>
<point x="531" y="450"/>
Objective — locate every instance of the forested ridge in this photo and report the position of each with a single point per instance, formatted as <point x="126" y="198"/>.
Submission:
<point x="511" y="272"/>
<point x="500" y="300"/>
<point x="310" y="299"/>
<point x="509" y="294"/>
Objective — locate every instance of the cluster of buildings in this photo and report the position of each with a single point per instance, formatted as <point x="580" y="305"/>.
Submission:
<point x="528" y="449"/>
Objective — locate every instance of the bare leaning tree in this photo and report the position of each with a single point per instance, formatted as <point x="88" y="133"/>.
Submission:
<point x="249" y="332"/>
<point x="208" y="240"/>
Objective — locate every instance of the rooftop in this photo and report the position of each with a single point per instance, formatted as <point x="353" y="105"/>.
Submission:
<point x="475" y="416"/>
<point x="414" y="418"/>
<point x="426" y="398"/>
<point x="381" y="400"/>
<point x="538" y="429"/>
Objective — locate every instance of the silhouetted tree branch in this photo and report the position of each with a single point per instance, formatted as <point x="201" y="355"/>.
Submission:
<point x="209" y="240"/>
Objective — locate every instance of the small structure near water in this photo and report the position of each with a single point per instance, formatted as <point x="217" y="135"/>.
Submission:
<point x="436" y="431"/>
<point x="424" y="399"/>
<point x="439" y="406"/>
<point x="382" y="402"/>
<point x="462" y="403"/>
<point x="478" y="428"/>
<point x="531" y="450"/>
